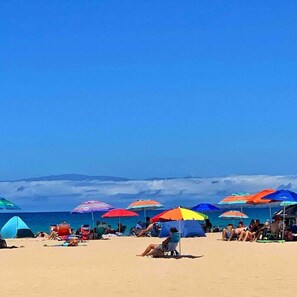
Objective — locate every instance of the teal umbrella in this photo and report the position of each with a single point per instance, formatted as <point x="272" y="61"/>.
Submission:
<point x="7" y="205"/>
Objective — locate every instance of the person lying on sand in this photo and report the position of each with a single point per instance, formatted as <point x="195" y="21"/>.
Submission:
<point x="3" y="245"/>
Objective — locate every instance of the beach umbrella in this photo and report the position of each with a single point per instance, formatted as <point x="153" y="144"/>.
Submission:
<point x="257" y="199"/>
<point x="233" y="215"/>
<point x="91" y="207"/>
<point x="156" y="217"/>
<point x="7" y="205"/>
<point x="282" y="196"/>
<point x="119" y="213"/>
<point x="288" y="203"/>
<point x="205" y="207"/>
<point x="236" y="198"/>
<point x="144" y="205"/>
<point x="179" y="214"/>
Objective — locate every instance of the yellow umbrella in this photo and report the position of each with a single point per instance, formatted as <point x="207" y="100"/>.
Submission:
<point x="180" y="213"/>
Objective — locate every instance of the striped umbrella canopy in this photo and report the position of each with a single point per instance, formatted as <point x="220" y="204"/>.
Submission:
<point x="7" y="205"/>
<point x="236" y="198"/>
<point x="233" y="214"/>
<point x="91" y="207"/>
<point x="145" y="205"/>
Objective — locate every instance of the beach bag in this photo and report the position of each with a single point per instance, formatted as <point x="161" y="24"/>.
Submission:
<point x="3" y="244"/>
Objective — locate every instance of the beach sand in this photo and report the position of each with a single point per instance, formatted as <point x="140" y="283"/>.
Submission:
<point x="111" y="268"/>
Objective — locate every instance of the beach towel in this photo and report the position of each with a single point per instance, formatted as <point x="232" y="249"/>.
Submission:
<point x="270" y="241"/>
<point x="63" y="245"/>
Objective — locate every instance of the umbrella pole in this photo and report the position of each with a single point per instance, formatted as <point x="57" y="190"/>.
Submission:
<point x="179" y="232"/>
<point x="283" y="231"/>
<point x="92" y="219"/>
<point x="270" y="213"/>
<point x="144" y="213"/>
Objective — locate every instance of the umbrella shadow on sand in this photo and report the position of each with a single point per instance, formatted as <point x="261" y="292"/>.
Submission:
<point x="181" y="257"/>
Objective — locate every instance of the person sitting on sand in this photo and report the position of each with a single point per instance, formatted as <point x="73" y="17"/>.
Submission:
<point x="239" y="229"/>
<point x="228" y="232"/>
<point x="158" y="249"/>
<point x="249" y="233"/>
<point x="53" y="232"/>
<point x="147" y="230"/>
<point x="134" y="231"/>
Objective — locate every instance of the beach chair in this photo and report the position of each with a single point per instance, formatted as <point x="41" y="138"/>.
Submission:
<point x="64" y="231"/>
<point x="85" y="232"/>
<point x="171" y="248"/>
<point x="274" y="233"/>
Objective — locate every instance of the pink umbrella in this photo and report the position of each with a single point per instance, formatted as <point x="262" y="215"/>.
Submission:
<point x="91" y="207"/>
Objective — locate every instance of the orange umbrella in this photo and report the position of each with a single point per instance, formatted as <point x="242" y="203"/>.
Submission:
<point x="257" y="198"/>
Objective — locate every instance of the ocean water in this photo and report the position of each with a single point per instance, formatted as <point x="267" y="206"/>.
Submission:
<point x="40" y="221"/>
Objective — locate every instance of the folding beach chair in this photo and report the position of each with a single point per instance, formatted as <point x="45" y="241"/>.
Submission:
<point x="85" y="232"/>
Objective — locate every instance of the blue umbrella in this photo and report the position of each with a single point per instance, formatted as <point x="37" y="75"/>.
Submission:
<point x="282" y="196"/>
<point x="205" y="207"/>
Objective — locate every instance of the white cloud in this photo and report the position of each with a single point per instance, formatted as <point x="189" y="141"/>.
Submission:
<point x="65" y="195"/>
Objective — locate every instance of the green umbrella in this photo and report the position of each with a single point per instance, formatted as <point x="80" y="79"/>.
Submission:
<point x="7" y="205"/>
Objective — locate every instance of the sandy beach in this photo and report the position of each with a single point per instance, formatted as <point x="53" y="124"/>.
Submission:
<point x="111" y="268"/>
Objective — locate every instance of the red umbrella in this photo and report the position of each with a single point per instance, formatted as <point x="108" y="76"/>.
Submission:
<point x="119" y="213"/>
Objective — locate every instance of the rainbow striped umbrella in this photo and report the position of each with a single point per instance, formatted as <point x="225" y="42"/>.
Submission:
<point x="180" y="214"/>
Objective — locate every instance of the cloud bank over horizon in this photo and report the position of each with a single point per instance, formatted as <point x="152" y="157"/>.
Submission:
<point x="64" y="195"/>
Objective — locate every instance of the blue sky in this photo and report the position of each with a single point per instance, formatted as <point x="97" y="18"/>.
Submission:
<point x="148" y="88"/>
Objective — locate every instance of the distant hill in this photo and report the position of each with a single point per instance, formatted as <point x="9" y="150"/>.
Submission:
<point x="75" y="177"/>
